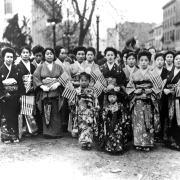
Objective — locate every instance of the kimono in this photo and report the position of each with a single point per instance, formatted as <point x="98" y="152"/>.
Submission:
<point x="29" y="121"/>
<point x="116" y="77"/>
<point x="144" y="109"/>
<point x="172" y="113"/>
<point x="163" y="109"/>
<point x="49" y="103"/>
<point x="86" y="110"/>
<point x="10" y="106"/>
<point x="89" y="68"/>
<point x="114" y="128"/>
<point x="36" y="64"/>
<point x="128" y="74"/>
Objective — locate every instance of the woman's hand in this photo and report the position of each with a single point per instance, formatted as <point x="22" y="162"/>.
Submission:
<point x="148" y="91"/>
<point x="167" y="91"/>
<point x="110" y="86"/>
<point x="55" y="86"/>
<point x="138" y="91"/>
<point x="44" y="88"/>
<point x="117" y="89"/>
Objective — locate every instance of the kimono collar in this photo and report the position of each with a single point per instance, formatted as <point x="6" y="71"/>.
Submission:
<point x="27" y="65"/>
<point x="169" y="68"/>
<point x="113" y="107"/>
<point x="89" y="63"/>
<point x="143" y="72"/>
<point x="8" y="67"/>
<point x="110" y="66"/>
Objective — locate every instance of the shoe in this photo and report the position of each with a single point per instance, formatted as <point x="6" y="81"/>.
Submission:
<point x="146" y="149"/>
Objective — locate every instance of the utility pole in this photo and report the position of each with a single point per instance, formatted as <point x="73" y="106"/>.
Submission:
<point x="97" y="23"/>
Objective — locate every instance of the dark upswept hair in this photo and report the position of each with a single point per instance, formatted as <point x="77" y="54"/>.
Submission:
<point x="86" y="75"/>
<point x="110" y="49"/>
<point x="37" y="49"/>
<point x="126" y="51"/>
<point x="144" y="53"/>
<point x="120" y="54"/>
<point x="176" y="54"/>
<point x="79" y="48"/>
<point x="8" y="50"/>
<point x="25" y="47"/>
<point x="159" y="55"/>
<point x="58" y="50"/>
<point x="152" y="48"/>
<point x="131" y="54"/>
<point x="92" y="50"/>
<point x="169" y="52"/>
<point x="44" y="52"/>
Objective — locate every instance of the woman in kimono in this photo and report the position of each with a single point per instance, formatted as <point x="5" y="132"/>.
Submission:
<point x="116" y="80"/>
<point x="130" y="68"/>
<point x="86" y="111"/>
<point x="169" y="59"/>
<point x="144" y="105"/>
<point x="49" y="99"/>
<point x="172" y="94"/>
<point x="11" y="88"/>
<point x="26" y="70"/>
<point x="162" y="72"/>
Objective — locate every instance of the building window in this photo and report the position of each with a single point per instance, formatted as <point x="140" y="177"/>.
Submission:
<point x="8" y="6"/>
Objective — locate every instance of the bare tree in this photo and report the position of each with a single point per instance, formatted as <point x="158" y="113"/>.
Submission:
<point x="84" y="23"/>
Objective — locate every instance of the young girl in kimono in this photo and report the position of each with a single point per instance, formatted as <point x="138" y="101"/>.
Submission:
<point x="86" y="109"/>
<point x="143" y="105"/>
<point x="113" y="135"/>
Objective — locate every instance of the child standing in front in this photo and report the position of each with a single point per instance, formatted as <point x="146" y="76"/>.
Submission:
<point x="86" y="108"/>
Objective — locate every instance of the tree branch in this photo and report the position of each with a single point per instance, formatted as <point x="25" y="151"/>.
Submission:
<point x="77" y="8"/>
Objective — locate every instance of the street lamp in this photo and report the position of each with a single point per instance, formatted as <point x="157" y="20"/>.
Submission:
<point x="52" y="22"/>
<point x="97" y="23"/>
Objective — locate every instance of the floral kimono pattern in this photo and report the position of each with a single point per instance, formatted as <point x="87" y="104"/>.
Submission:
<point x="84" y="119"/>
<point x="145" y="110"/>
<point x="114" y="127"/>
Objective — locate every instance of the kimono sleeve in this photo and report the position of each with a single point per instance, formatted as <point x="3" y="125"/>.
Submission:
<point x="37" y="78"/>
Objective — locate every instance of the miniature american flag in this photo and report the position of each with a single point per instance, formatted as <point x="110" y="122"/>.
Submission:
<point x="64" y="78"/>
<point x="156" y="80"/>
<point x="69" y="91"/>
<point x="97" y="75"/>
<point x="98" y="88"/>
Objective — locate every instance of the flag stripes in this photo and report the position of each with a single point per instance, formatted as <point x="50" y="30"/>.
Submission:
<point x="64" y="78"/>
<point x="98" y="88"/>
<point x="156" y="80"/>
<point x="69" y="93"/>
<point x="27" y="105"/>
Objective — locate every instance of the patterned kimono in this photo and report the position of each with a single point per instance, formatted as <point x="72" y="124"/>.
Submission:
<point x="10" y="106"/>
<point x="89" y="68"/>
<point x="109" y="134"/>
<point x="145" y="110"/>
<point x="115" y="127"/>
<point x="172" y="113"/>
<point x="52" y="118"/>
<point x="86" y="110"/>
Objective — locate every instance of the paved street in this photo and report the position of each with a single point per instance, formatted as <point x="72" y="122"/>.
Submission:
<point x="39" y="158"/>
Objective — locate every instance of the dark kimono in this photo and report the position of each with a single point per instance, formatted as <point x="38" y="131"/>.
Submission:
<point x="85" y="118"/>
<point x="172" y="113"/>
<point x="113" y="135"/>
<point x="107" y="131"/>
<point x="52" y="119"/>
<point x="144" y="109"/>
<point x="10" y="106"/>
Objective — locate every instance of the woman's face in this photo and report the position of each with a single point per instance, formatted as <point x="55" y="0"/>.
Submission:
<point x="112" y="98"/>
<point x="8" y="59"/>
<point x="143" y="62"/>
<point x="131" y="61"/>
<point x="49" y="56"/>
<point x="169" y="59"/>
<point x="177" y="61"/>
<point x="63" y="54"/>
<point x="80" y="56"/>
<point x="159" y="62"/>
<point x="110" y="56"/>
<point x="25" y="54"/>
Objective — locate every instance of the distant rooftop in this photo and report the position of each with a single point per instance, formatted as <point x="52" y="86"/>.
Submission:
<point x="169" y="3"/>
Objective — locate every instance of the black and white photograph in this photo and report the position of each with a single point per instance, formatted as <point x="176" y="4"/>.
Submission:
<point x="90" y="89"/>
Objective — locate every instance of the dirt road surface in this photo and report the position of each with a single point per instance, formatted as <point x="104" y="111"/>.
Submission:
<point x="36" y="158"/>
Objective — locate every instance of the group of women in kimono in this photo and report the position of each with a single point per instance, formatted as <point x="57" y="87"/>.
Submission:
<point x="115" y="104"/>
